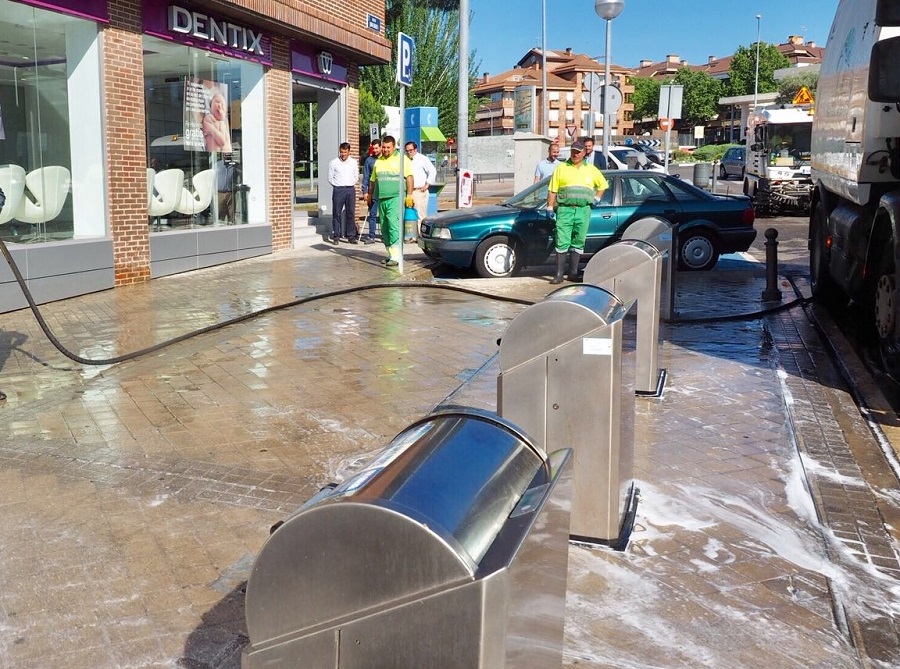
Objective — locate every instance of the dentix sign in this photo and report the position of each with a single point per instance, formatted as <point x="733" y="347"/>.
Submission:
<point x="224" y="33"/>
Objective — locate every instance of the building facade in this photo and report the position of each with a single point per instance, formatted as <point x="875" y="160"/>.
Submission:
<point x="514" y="99"/>
<point x="140" y="138"/>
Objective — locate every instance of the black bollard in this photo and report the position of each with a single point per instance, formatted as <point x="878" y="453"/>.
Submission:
<point x="771" y="293"/>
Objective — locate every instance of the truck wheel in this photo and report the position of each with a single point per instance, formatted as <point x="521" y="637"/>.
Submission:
<point x="697" y="251"/>
<point x="497" y="257"/>
<point x="824" y="289"/>
<point x="884" y="311"/>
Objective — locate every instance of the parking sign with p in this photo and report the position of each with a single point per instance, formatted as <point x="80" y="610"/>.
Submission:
<point x="404" y="59"/>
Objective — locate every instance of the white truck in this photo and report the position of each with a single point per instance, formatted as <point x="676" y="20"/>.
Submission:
<point x="854" y="226"/>
<point x="776" y="174"/>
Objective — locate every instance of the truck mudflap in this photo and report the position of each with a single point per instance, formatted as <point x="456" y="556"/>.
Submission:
<point x="774" y="197"/>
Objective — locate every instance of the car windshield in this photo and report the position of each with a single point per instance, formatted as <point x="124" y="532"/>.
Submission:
<point x="533" y="197"/>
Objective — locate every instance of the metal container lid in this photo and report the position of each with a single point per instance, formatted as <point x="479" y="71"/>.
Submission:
<point x="563" y="316"/>
<point x="418" y="517"/>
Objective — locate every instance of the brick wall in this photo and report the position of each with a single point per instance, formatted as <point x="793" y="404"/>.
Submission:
<point x="126" y="162"/>
<point x="343" y="23"/>
<point x="279" y="143"/>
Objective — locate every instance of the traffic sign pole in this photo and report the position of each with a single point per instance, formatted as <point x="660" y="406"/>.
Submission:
<point x="405" y="47"/>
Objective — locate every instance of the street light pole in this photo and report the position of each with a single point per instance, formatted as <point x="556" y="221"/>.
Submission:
<point x="756" y="80"/>
<point x="606" y="10"/>
<point x="545" y="104"/>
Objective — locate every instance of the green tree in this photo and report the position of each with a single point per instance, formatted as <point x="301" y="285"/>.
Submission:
<point x="436" y="63"/>
<point x="700" y="101"/>
<point x="301" y="129"/>
<point x="742" y="74"/>
<point x="789" y="86"/>
<point x="645" y="97"/>
<point x="370" y="111"/>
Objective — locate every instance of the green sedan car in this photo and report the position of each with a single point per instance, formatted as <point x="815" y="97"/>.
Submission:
<point x="499" y="240"/>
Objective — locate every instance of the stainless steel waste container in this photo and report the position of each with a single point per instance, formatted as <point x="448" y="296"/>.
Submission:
<point x="631" y="269"/>
<point x="564" y="380"/>
<point x="448" y="550"/>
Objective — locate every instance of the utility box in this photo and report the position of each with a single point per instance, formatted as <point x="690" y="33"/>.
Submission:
<point x="564" y="381"/>
<point x="632" y="270"/>
<point x="448" y="550"/>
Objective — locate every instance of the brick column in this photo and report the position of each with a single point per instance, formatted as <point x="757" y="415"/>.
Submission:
<point x="126" y="163"/>
<point x="279" y="140"/>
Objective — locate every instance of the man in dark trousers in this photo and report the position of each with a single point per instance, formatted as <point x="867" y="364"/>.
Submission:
<point x="343" y="175"/>
<point x="374" y="152"/>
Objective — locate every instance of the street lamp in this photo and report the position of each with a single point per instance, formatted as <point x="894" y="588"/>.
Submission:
<point x="607" y="10"/>
<point x="545" y="104"/>
<point x="756" y="81"/>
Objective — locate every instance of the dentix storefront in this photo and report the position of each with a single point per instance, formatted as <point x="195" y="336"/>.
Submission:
<point x="140" y="139"/>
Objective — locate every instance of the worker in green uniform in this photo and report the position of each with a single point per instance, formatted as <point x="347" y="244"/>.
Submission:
<point x="384" y="186"/>
<point x="574" y="187"/>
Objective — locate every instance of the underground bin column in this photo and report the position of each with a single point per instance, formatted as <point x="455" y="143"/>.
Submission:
<point x="563" y="382"/>
<point x="447" y="550"/>
<point x="632" y="270"/>
<point x="661" y="234"/>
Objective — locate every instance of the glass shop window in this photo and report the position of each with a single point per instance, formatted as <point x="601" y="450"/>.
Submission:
<point x="198" y="172"/>
<point x="51" y="170"/>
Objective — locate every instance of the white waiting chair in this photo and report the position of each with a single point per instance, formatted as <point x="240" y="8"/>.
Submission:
<point x="198" y="200"/>
<point x="163" y="192"/>
<point x="12" y="182"/>
<point x="49" y="188"/>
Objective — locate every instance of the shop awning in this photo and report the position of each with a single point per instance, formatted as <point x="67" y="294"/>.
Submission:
<point x="432" y="134"/>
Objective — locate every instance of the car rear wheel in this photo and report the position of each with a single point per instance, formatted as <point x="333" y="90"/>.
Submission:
<point x="723" y="173"/>
<point x="497" y="257"/>
<point x="697" y="251"/>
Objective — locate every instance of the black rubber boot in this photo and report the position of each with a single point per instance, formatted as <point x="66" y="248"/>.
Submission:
<point x="574" y="257"/>
<point x="560" y="268"/>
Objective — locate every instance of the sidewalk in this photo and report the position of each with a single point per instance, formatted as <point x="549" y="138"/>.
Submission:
<point x="136" y="496"/>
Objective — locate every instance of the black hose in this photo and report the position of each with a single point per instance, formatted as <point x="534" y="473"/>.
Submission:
<point x="303" y="300"/>
<point x="232" y="321"/>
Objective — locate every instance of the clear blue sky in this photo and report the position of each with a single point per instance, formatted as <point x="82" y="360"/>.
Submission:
<point x="502" y="31"/>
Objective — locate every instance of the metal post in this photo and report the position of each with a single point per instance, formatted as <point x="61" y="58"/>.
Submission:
<point x="462" y="114"/>
<point x="310" y="148"/>
<point x="401" y="145"/>
<point x="603" y="101"/>
<point x="545" y="104"/>
<point x="771" y="293"/>
<point x="756" y="81"/>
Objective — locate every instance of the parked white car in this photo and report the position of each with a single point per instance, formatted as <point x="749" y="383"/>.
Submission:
<point x="620" y="158"/>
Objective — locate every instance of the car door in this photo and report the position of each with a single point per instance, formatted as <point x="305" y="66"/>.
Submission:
<point x="645" y="195"/>
<point x="604" y="219"/>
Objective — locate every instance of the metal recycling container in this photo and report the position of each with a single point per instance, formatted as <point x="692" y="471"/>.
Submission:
<point x="702" y="175"/>
<point x="564" y="380"/>
<point x="447" y="550"/>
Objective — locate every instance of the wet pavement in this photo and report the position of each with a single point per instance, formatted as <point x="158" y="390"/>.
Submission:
<point x="135" y="496"/>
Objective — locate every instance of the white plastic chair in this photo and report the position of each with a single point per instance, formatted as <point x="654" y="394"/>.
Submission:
<point x="199" y="200"/>
<point x="12" y="181"/>
<point x="163" y="192"/>
<point x="49" y="186"/>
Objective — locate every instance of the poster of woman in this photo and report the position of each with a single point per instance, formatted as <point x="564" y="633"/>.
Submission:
<point x="206" y="116"/>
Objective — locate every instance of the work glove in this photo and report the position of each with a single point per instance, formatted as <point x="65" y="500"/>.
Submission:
<point x="409" y="201"/>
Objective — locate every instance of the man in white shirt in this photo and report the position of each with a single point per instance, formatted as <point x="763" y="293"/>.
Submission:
<point x="424" y="174"/>
<point x="343" y="175"/>
<point x="547" y="165"/>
